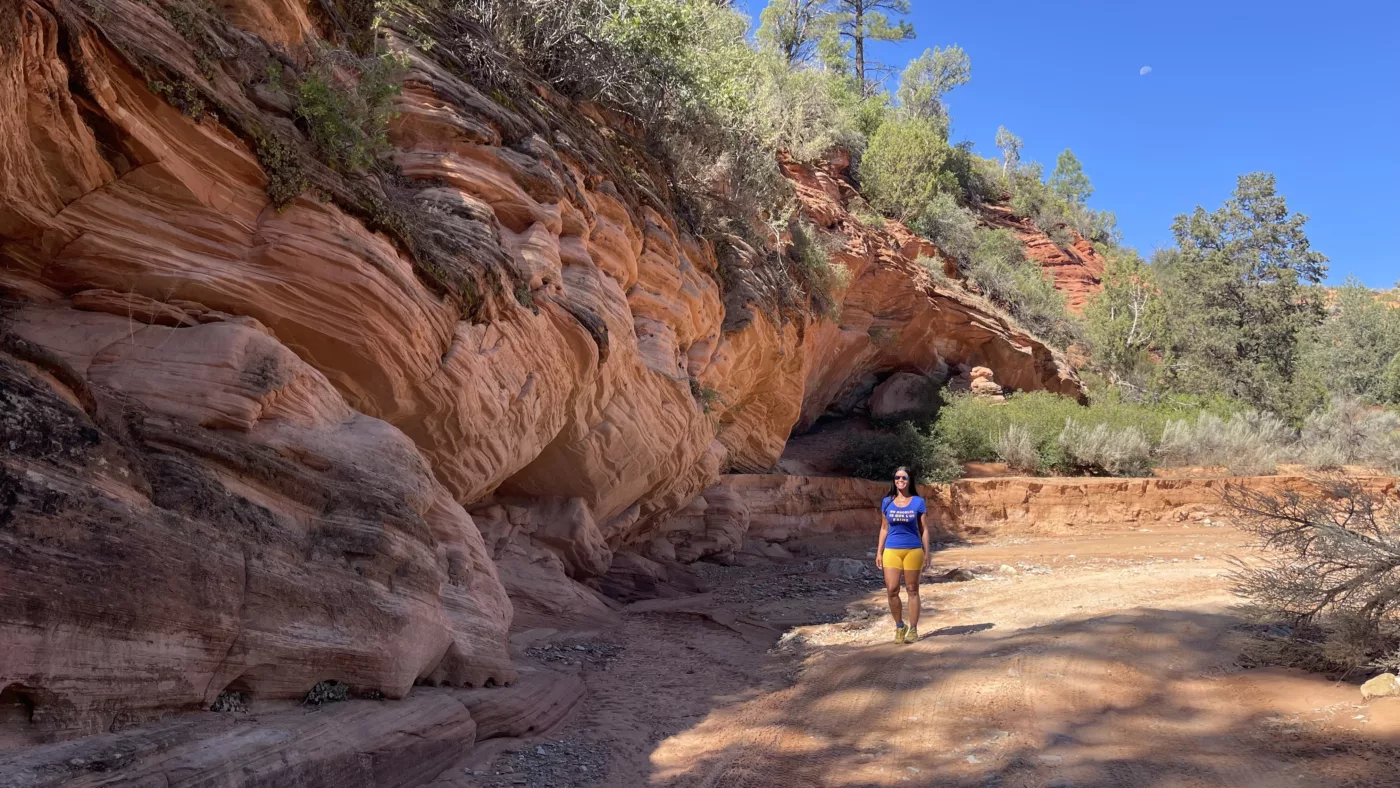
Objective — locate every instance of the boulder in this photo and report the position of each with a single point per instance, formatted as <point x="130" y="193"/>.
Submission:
<point x="1385" y="685"/>
<point x="901" y="393"/>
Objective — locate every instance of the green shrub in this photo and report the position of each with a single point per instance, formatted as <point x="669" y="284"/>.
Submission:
<point x="949" y="225"/>
<point x="905" y="166"/>
<point x="875" y="455"/>
<point x="1002" y="273"/>
<point x="348" y="123"/>
<point x="1388" y="389"/>
<point x="707" y="397"/>
<point x="817" y="275"/>
<point x="1247" y="443"/>
<point x="935" y="270"/>
<point x="971" y="426"/>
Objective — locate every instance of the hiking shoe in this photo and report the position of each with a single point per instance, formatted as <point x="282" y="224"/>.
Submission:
<point x="911" y="634"/>
<point x="899" y="633"/>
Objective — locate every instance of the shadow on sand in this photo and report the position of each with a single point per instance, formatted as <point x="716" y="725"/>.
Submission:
<point x="1138" y="699"/>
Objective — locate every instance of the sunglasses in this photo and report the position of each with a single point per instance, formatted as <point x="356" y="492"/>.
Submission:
<point x="905" y="478"/>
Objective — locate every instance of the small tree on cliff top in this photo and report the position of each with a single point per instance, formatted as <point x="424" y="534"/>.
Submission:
<point x="866" y="20"/>
<point x="929" y="77"/>
<point x="1068" y="179"/>
<point x="793" y="27"/>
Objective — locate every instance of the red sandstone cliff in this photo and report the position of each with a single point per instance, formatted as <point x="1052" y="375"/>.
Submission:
<point x="1077" y="270"/>
<point x="364" y="435"/>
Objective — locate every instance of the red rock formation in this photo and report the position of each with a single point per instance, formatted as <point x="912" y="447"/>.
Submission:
<point x="241" y="440"/>
<point x="777" y="507"/>
<point x="1077" y="271"/>
<point x="886" y="324"/>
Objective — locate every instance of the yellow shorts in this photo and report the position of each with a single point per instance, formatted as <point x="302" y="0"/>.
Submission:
<point x="909" y="559"/>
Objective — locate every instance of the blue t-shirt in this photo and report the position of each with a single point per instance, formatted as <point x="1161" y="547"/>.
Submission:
<point x="904" y="523"/>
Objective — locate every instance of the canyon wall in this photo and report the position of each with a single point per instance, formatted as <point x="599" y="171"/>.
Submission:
<point x="777" y="507"/>
<point x="1076" y="270"/>
<point x="271" y="420"/>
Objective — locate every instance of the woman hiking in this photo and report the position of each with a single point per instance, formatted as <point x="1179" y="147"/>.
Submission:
<point x="902" y="550"/>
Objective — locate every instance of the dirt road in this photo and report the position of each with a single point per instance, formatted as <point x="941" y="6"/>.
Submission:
<point x="1098" y="660"/>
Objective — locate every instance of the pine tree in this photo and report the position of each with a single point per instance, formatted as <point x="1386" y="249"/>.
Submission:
<point x="1068" y="180"/>
<point x="1242" y="294"/>
<point x="866" y="20"/>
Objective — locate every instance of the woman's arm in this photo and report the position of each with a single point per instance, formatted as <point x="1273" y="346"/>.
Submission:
<point x="880" y="543"/>
<point x="923" y="529"/>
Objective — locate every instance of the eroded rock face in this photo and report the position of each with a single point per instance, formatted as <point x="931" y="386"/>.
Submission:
<point x="196" y="509"/>
<point x="1076" y="270"/>
<point x="780" y="507"/>
<point x="896" y="316"/>
<point x="241" y="440"/>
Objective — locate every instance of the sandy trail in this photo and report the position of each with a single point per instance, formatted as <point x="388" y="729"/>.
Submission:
<point x="1104" y="660"/>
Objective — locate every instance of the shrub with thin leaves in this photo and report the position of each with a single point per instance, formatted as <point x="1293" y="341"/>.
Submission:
<point x="970" y="426"/>
<point x="814" y="270"/>
<point x="348" y="121"/>
<point x="1104" y="450"/>
<point x="949" y="225"/>
<point x="1002" y="273"/>
<point x="1329" y="585"/>
<point x="1349" y="432"/>
<point x="1248" y="444"/>
<point x="1017" y="448"/>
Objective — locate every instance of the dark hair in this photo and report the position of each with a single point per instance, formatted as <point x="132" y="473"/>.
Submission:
<point x="894" y="489"/>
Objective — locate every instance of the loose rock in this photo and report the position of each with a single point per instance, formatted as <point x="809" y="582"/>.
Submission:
<point x="1385" y="685"/>
<point x="849" y="568"/>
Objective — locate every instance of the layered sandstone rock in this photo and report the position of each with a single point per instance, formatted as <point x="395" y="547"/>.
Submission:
<point x="241" y="440"/>
<point x="779" y="507"/>
<point x="887" y="324"/>
<point x="1076" y="270"/>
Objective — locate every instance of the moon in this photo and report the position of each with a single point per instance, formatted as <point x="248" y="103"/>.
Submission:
<point x="1144" y="71"/>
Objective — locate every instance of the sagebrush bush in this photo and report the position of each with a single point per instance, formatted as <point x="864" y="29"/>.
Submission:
<point x="1248" y="443"/>
<point x="949" y="225"/>
<point x="1349" y="432"/>
<point x="970" y="426"/>
<point x="1328" y="588"/>
<point x="1017" y="449"/>
<point x="1103" y="450"/>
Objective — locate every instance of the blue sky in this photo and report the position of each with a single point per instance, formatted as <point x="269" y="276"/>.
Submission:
<point x="1308" y="91"/>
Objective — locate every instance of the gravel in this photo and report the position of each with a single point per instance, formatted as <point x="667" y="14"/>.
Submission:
<point x="594" y="654"/>
<point x="567" y="763"/>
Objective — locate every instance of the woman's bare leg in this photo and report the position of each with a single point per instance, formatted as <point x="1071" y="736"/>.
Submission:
<point x="911" y="583"/>
<point x="892" y="574"/>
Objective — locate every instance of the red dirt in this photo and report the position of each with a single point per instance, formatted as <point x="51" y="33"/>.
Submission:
<point x="1105" y="659"/>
